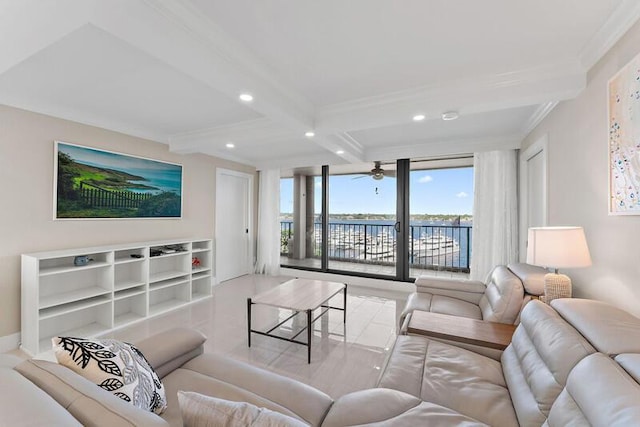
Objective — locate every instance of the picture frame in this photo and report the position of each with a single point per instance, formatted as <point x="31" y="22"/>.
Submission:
<point x="92" y="183"/>
<point x="623" y="102"/>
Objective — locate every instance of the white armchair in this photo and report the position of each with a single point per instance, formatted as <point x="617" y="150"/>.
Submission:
<point x="500" y="299"/>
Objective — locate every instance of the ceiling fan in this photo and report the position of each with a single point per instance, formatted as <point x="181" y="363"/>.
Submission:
<point x="377" y="172"/>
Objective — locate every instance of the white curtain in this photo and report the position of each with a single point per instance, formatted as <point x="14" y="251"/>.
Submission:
<point x="495" y="211"/>
<point x="268" y="259"/>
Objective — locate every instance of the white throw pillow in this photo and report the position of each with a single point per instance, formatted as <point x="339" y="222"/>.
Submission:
<point x="115" y="366"/>
<point x="199" y="410"/>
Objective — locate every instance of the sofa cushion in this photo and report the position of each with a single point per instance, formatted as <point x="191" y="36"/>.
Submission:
<point x="117" y="367"/>
<point x="442" y="304"/>
<point x="19" y="396"/>
<point x="503" y="296"/>
<point x="198" y="410"/>
<point x="461" y="380"/>
<point x="82" y="398"/>
<point x="619" y="334"/>
<point x="598" y="393"/>
<point x="385" y="407"/>
<point x="543" y="350"/>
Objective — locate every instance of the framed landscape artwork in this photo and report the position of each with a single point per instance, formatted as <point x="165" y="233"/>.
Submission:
<point x="624" y="140"/>
<point x="91" y="184"/>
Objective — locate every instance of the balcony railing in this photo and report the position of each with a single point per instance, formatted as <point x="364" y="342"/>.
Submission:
<point x="433" y="247"/>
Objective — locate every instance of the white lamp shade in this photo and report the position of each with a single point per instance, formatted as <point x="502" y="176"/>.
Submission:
<point x="558" y="247"/>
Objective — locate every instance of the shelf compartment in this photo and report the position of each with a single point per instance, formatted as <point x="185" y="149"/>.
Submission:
<point x="64" y="298"/>
<point x="166" y="275"/>
<point x="127" y="318"/>
<point x="165" y="306"/>
<point x="167" y="298"/>
<point x="84" y="323"/>
<point x="202" y="275"/>
<point x="86" y="331"/>
<point x="65" y="263"/>
<point x="168" y="283"/>
<point x="202" y="245"/>
<point x="128" y="293"/>
<point x="198" y="270"/>
<point x="200" y="287"/>
<point x="70" y="307"/>
<point x="128" y="260"/>
<point x="73" y="268"/>
<point x="128" y="284"/>
<point x="199" y="250"/>
<point x="124" y="256"/>
<point x="130" y="309"/>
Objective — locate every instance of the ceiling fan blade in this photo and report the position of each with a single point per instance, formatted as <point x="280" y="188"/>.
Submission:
<point x="390" y="174"/>
<point x="362" y="176"/>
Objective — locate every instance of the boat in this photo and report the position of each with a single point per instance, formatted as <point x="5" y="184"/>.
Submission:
<point x="435" y="245"/>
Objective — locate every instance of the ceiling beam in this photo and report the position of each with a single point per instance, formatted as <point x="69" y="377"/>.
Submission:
<point x="469" y="96"/>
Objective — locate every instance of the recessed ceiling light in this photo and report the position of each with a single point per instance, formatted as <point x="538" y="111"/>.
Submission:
<point x="309" y="134"/>
<point x="340" y="152"/>
<point x="418" y="117"/>
<point x="230" y="145"/>
<point x="246" y="97"/>
<point x="450" y="115"/>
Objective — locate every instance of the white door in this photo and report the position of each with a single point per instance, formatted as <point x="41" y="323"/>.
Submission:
<point x="533" y="190"/>
<point x="234" y="256"/>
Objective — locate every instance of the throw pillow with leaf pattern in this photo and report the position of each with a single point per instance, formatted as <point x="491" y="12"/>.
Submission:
<point x="115" y="366"/>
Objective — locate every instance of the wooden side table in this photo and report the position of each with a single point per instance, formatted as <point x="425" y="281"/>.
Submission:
<point x="461" y="329"/>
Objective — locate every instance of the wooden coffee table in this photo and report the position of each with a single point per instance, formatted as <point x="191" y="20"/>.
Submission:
<point x="461" y="329"/>
<point x="301" y="296"/>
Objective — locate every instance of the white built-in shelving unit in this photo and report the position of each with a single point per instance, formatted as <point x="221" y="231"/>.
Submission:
<point x="119" y="286"/>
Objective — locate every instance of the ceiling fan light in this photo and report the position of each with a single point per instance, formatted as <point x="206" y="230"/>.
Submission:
<point x="377" y="176"/>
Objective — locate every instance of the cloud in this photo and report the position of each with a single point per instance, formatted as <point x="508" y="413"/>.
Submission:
<point x="425" y="179"/>
<point x="462" y="194"/>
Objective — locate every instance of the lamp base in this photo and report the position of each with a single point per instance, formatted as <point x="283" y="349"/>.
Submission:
<point x="556" y="286"/>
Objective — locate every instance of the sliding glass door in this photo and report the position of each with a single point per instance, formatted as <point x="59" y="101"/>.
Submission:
<point x="441" y="203"/>
<point x="394" y="219"/>
<point x="362" y="217"/>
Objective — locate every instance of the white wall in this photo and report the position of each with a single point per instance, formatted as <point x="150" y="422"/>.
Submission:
<point x="26" y="197"/>
<point x="578" y="185"/>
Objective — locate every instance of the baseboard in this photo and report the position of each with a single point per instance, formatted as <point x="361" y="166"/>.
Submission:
<point x="364" y="282"/>
<point x="9" y="342"/>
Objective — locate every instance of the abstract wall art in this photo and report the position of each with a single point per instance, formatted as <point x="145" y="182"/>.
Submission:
<point x="624" y="140"/>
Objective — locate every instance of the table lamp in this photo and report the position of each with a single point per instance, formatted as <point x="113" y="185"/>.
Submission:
<point x="557" y="247"/>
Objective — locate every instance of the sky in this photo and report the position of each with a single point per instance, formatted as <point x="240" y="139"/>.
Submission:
<point x="438" y="191"/>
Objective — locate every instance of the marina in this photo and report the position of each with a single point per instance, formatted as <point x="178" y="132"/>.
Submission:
<point x="433" y="246"/>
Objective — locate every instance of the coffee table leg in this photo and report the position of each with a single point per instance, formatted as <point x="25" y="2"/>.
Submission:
<point x="345" y="304"/>
<point x="308" y="336"/>
<point x="249" y="321"/>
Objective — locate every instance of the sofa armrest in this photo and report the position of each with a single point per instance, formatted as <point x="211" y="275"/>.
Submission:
<point x="466" y="290"/>
<point x="171" y="349"/>
<point x="238" y="381"/>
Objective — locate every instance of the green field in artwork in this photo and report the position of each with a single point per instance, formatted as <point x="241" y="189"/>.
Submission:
<point x="93" y="183"/>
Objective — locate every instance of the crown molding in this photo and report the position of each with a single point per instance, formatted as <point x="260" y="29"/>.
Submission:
<point x="444" y="148"/>
<point x="557" y="81"/>
<point x="537" y="117"/>
<point x="298" y="162"/>
<point x="618" y="23"/>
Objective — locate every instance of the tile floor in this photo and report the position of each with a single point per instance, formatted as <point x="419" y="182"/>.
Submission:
<point x="344" y="358"/>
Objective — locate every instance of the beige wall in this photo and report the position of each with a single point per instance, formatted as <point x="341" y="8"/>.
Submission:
<point x="26" y="197"/>
<point x="578" y="185"/>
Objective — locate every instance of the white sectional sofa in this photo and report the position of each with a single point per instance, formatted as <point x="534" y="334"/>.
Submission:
<point x="575" y="363"/>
